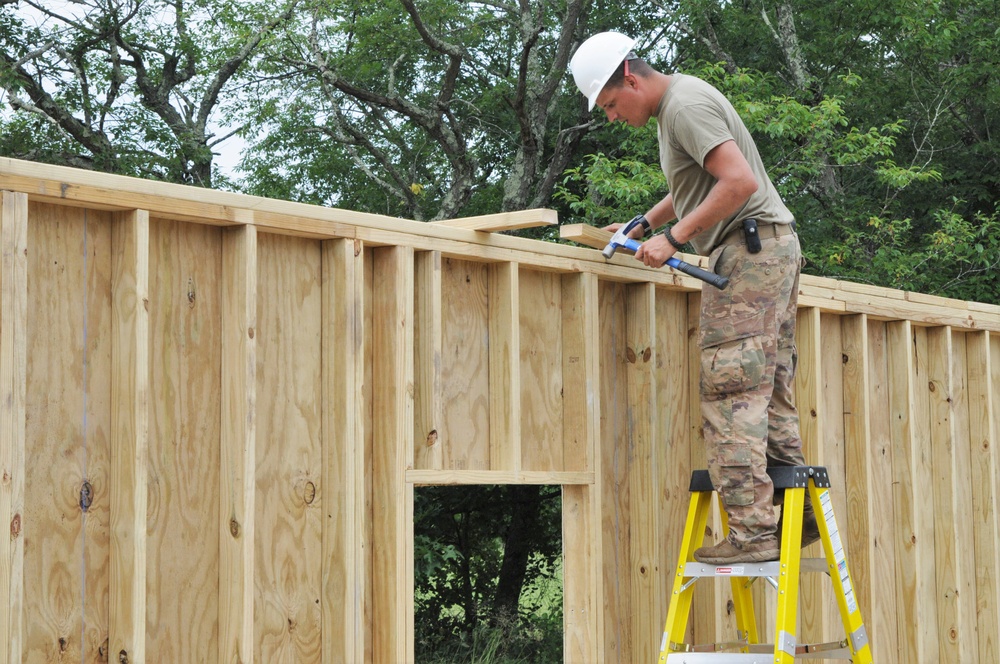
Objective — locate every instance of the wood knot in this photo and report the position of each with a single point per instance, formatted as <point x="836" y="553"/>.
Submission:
<point x="86" y="496"/>
<point x="432" y="438"/>
<point x="122" y="657"/>
<point x="250" y="333"/>
<point x="646" y="354"/>
<point x="15" y="526"/>
<point x="309" y="493"/>
<point x="234" y="527"/>
<point x="930" y="386"/>
<point x="630" y="355"/>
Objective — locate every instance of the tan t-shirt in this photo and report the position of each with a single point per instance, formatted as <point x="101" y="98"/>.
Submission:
<point x="692" y="118"/>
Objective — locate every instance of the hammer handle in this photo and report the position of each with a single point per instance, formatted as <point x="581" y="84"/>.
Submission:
<point x="716" y="280"/>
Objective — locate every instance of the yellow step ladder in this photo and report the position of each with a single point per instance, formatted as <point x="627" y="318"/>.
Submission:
<point x="783" y="574"/>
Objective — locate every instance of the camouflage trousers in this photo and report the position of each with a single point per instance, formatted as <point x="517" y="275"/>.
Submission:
<point x="748" y="357"/>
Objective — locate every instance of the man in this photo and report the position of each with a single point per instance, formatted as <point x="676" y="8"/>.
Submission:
<point x="727" y="208"/>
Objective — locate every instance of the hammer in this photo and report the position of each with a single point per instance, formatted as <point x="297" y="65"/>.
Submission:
<point x="621" y="239"/>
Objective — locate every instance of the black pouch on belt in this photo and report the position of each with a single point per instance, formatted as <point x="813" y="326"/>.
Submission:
<point x="751" y="235"/>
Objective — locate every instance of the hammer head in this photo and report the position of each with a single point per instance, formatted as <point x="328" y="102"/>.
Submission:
<point x="619" y="239"/>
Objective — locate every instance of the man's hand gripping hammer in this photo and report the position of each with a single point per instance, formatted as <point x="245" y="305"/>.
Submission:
<point x="621" y="239"/>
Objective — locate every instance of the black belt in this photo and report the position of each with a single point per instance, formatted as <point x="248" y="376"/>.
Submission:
<point x="765" y="231"/>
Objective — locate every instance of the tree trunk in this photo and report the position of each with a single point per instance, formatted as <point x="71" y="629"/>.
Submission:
<point x="525" y="504"/>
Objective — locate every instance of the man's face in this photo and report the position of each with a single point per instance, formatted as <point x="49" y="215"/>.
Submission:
<point x="623" y="103"/>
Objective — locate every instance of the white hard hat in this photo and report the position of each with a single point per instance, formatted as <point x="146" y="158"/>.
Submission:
<point x="596" y="60"/>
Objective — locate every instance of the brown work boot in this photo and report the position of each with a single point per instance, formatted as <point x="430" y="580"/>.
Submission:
<point x="727" y="552"/>
<point x="810" y="528"/>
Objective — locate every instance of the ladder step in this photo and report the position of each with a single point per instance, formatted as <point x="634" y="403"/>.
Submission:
<point x="771" y="569"/>
<point x="719" y="658"/>
<point x="783" y="477"/>
<point x="750" y="658"/>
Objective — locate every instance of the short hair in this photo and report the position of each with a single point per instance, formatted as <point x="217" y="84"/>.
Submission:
<point x="636" y="65"/>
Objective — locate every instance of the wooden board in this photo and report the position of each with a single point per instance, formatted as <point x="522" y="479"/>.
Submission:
<point x="808" y="395"/>
<point x="392" y="453"/>
<point x="641" y="427"/>
<point x="672" y="440"/>
<point x="68" y="412"/>
<point x="615" y="488"/>
<point x="579" y="370"/>
<point x="830" y="452"/>
<point x="540" y="320"/>
<point x="583" y="598"/>
<point x="878" y="601"/>
<point x="182" y="551"/>
<point x="856" y="524"/>
<point x="464" y="429"/>
<point x="288" y="484"/>
<point x="910" y="587"/>
<point x="428" y="337"/>
<point x="504" y="306"/>
<point x="925" y="520"/>
<point x="13" y="389"/>
<point x="343" y="476"/>
<point x="238" y="448"/>
<point x="950" y="471"/>
<point x="129" y="433"/>
<point x="982" y="462"/>
<point x="505" y="221"/>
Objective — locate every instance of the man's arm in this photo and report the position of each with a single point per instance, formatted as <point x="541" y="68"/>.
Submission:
<point x="734" y="185"/>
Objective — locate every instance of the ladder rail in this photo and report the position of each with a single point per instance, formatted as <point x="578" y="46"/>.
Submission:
<point x="833" y="547"/>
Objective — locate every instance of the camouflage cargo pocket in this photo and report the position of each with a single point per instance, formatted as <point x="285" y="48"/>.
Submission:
<point x="737" y="485"/>
<point x="732" y="354"/>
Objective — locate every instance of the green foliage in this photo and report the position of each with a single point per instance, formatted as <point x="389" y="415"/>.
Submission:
<point x="799" y="141"/>
<point x="463" y="538"/>
<point x="958" y="259"/>
<point x="606" y="187"/>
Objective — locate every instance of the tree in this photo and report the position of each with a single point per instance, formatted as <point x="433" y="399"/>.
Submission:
<point x="478" y="551"/>
<point x="128" y="87"/>
<point x="429" y="110"/>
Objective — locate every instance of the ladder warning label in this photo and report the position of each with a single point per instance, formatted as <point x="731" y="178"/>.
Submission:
<point x="732" y="571"/>
<point x="838" y="552"/>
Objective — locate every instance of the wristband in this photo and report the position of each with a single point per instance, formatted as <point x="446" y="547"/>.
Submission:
<point x="641" y="219"/>
<point x="644" y="223"/>
<point x="670" y="238"/>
